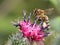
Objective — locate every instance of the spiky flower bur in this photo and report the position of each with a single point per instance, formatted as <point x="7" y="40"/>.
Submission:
<point x="17" y="39"/>
<point x="32" y="31"/>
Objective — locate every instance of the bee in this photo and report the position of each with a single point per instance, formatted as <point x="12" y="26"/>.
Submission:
<point x="42" y="17"/>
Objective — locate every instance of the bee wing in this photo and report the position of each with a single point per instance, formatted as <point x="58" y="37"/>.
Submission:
<point x="49" y="11"/>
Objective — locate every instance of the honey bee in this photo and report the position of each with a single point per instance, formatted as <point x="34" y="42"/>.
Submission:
<point x="42" y="17"/>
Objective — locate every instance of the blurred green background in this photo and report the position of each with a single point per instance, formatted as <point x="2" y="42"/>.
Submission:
<point x="12" y="9"/>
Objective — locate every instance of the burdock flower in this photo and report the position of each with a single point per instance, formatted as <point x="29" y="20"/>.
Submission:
<point x="31" y="31"/>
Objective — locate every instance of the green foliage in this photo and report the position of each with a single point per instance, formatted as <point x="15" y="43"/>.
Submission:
<point x="55" y="24"/>
<point x="1" y="1"/>
<point x="57" y="40"/>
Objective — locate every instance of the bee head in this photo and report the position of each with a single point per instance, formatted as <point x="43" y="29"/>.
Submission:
<point x="38" y="13"/>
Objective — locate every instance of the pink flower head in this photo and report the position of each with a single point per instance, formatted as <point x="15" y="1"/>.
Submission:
<point x="31" y="30"/>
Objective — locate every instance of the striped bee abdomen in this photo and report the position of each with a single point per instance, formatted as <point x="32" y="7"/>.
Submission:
<point x="47" y="23"/>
